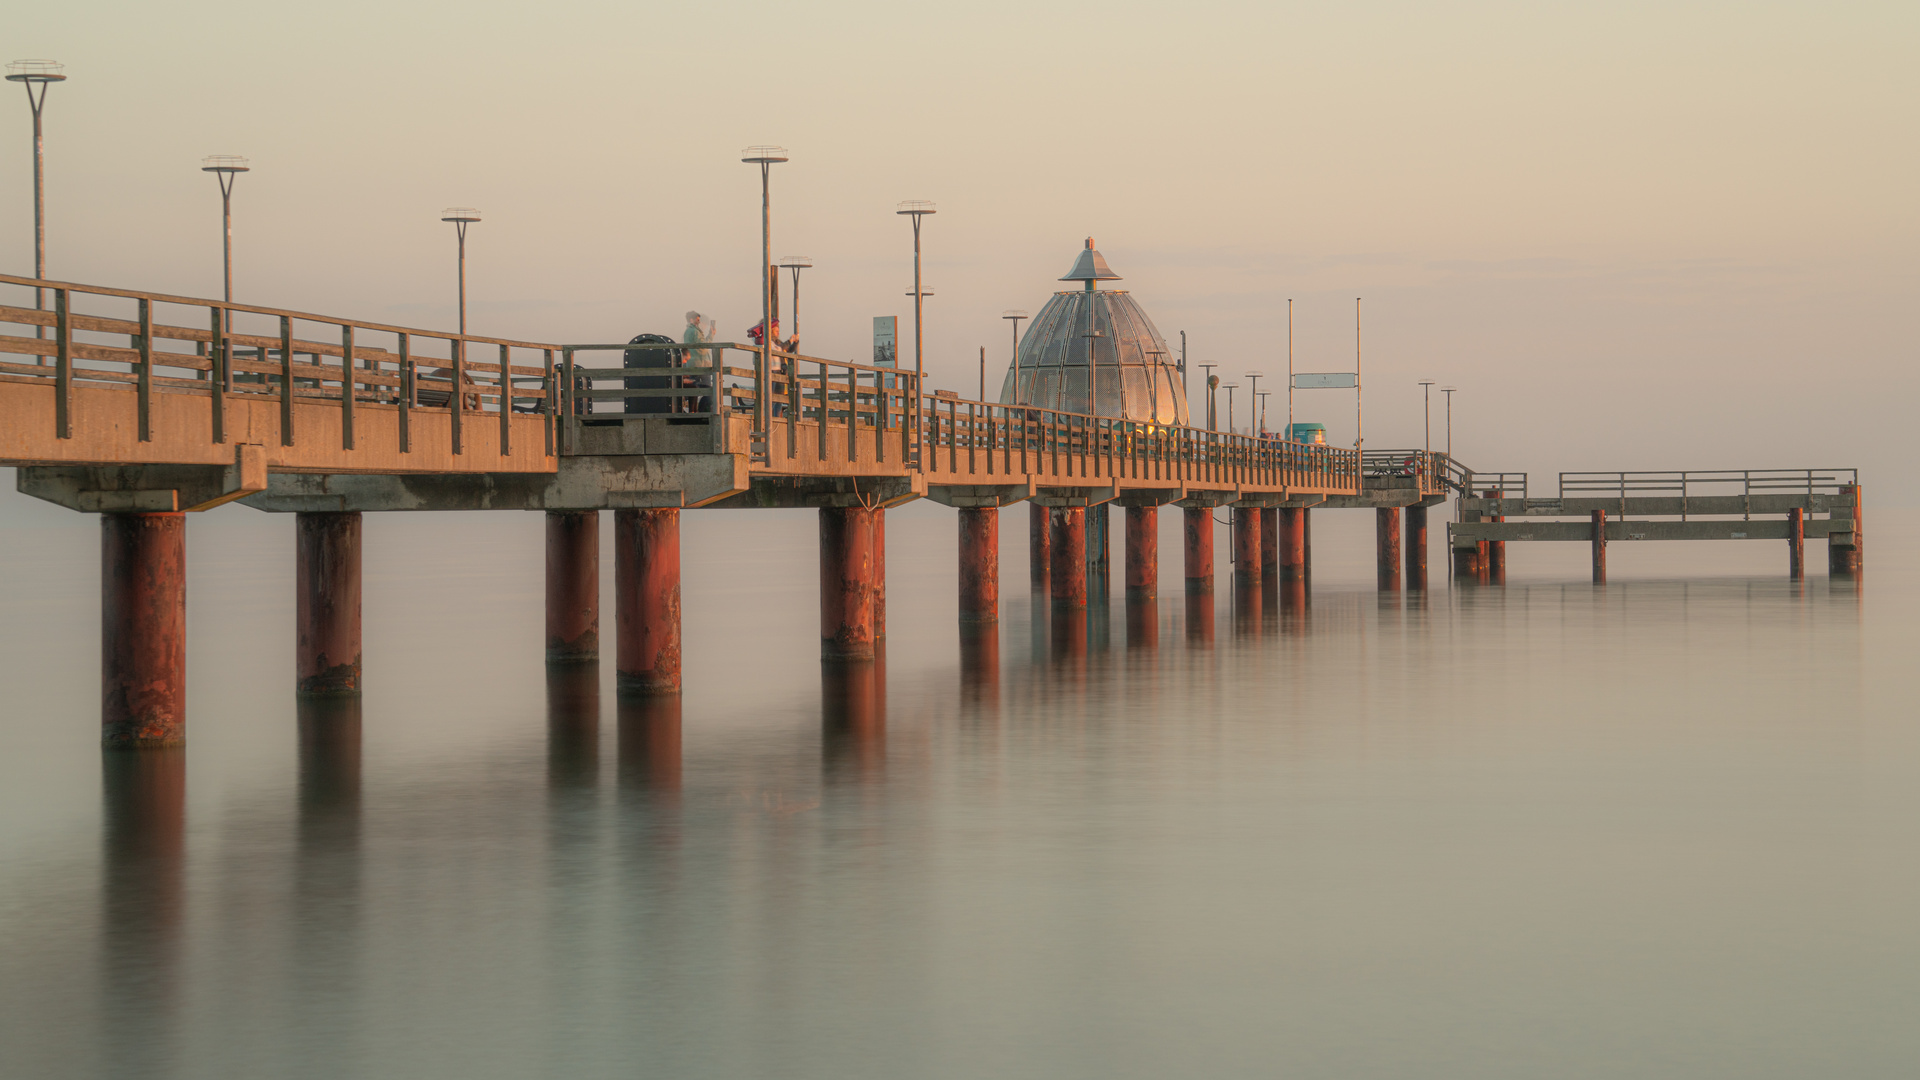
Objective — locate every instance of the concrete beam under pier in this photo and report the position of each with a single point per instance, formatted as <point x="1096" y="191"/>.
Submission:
<point x="581" y="483"/>
<point x="1467" y="534"/>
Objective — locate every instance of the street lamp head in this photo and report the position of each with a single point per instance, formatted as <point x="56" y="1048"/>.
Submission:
<point x="1448" y="389"/>
<point x="916" y="207"/>
<point x="35" y="71"/>
<point x="224" y="163"/>
<point x="465" y="215"/>
<point x="795" y="262"/>
<point x="1015" y="313"/>
<point x="764" y="155"/>
<point x="1426" y="382"/>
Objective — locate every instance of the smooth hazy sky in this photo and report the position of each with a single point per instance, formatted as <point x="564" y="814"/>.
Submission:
<point x="1635" y="235"/>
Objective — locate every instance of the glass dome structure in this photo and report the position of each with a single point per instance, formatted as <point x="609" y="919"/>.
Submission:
<point x="1102" y="332"/>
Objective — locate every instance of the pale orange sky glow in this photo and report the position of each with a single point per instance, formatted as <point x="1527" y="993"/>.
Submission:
<point x="1634" y="235"/>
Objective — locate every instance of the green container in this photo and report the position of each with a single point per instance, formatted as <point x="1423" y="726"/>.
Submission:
<point x="1309" y="433"/>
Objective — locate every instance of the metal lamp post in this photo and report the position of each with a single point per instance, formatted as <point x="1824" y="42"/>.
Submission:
<point x="916" y="209"/>
<point x="1229" y="388"/>
<point x="1014" y="315"/>
<point x="461" y="216"/>
<point x="1426" y="405"/>
<point x="766" y="157"/>
<point x="1257" y="422"/>
<point x="1448" y="390"/>
<point x="795" y="263"/>
<point x="1290" y="368"/>
<point x="1262" y="396"/>
<point x="225" y="167"/>
<point x="1211" y="382"/>
<point x="36" y="76"/>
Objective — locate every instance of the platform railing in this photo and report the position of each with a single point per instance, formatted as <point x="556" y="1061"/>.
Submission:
<point x="1703" y="482"/>
<point x="145" y="341"/>
<point x="1468" y="482"/>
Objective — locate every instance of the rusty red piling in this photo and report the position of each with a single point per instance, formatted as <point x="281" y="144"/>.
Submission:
<point x="979" y="564"/>
<point x="880" y="574"/>
<point x="1198" y="522"/>
<point x="1039" y="544"/>
<point x="646" y="586"/>
<point x="1386" y="543"/>
<point x="648" y="747"/>
<point x="573" y="586"/>
<point x="1599" y="547"/>
<point x="1143" y="554"/>
<point x="1292" y="543"/>
<point x="327" y="615"/>
<point x="847" y="592"/>
<point x="1068" y="545"/>
<point x="143" y="630"/>
<point x="1270" y="544"/>
<point x="1416" y="547"/>
<point x="1246" y="545"/>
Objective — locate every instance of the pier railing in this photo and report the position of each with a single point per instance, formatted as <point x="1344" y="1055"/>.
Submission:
<point x="1470" y="483"/>
<point x="237" y="354"/>
<point x="1706" y="482"/>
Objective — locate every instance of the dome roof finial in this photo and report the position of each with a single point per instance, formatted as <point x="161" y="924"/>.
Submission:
<point x="1090" y="267"/>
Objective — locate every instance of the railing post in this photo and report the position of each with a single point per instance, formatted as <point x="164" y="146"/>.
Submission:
<point x="406" y="393"/>
<point x="286" y="377"/>
<point x="457" y="402"/>
<point x="217" y="374"/>
<point x="346" y="386"/>
<point x="547" y="396"/>
<point x="63" y="364"/>
<point x="567" y="406"/>
<point x="506" y="399"/>
<point x="146" y="370"/>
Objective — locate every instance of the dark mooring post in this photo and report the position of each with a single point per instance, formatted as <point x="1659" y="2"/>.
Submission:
<point x="1416" y="547"/>
<point x="327" y="603"/>
<point x="1069" y="551"/>
<point x="646" y="601"/>
<point x="1796" y="543"/>
<point x="1293" y="543"/>
<point x="847" y="592"/>
<point x="143" y="630"/>
<point x="1599" y="547"/>
<point x="979" y="564"/>
<point x="1198" y="522"/>
<point x="1494" y="552"/>
<point x="1386" y="543"/>
<point x="1844" y="555"/>
<point x="1246" y="546"/>
<point x="573" y="586"/>
<point x="1039" y="544"/>
<point x="1143" y="555"/>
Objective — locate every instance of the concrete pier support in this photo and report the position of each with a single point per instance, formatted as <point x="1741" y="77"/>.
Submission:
<point x="1198" y="522"/>
<point x="1143" y="555"/>
<point x="1292" y="543"/>
<point x="847" y="589"/>
<point x="327" y="603"/>
<point x="979" y="564"/>
<point x="1068" y="544"/>
<point x="646" y="587"/>
<point x="1599" y="547"/>
<point x="143" y="630"/>
<point x="1796" y="543"/>
<point x="1246" y="546"/>
<point x="1844" y="559"/>
<point x="1416" y="547"/>
<point x="573" y="586"/>
<point x="1039" y="545"/>
<point x="1386" y="542"/>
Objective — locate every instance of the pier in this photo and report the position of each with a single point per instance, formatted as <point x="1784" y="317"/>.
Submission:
<point x="144" y="408"/>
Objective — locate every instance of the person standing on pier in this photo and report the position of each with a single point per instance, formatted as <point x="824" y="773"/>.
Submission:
<point x="696" y="335"/>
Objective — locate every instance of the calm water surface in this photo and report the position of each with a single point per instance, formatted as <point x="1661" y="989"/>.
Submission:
<point x="1670" y="827"/>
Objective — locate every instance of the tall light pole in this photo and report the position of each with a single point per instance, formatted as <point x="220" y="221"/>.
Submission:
<point x="1229" y="388"/>
<point x="766" y="157"/>
<point x="1211" y="382"/>
<point x="461" y="216"/>
<point x="36" y="76"/>
<point x="1448" y="390"/>
<point x="1014" y="315"/>
<point x="1426" y="405"/>
<point x="1260" y="423"/>
<point x="795" y="263"/>
<point x="1262" y="396"/>
<point x="916" y="209"/>
<point x="225" y="167"/>
<point x="1359" y="398"/>
<point x="1289" y="367"/>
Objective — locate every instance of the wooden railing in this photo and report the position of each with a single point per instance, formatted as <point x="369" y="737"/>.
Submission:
<point x="119" y="337"/>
